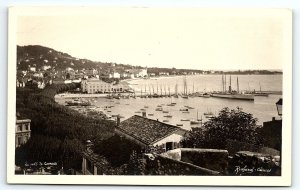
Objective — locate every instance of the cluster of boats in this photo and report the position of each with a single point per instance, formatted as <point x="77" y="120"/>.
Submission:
<point x="186" y="109"/>
<point x="78" y="102"/>
<point x="227" y="92"/>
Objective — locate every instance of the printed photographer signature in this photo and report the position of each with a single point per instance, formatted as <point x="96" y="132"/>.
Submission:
<point x="245" y="169"/>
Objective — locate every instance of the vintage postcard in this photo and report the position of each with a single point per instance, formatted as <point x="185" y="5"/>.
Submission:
<point x="149" y="96"/>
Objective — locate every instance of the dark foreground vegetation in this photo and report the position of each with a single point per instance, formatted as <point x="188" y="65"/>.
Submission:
<point x="58" y="134"/>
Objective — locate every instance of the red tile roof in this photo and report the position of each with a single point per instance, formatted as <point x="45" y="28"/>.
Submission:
<point x="146" y="130"/>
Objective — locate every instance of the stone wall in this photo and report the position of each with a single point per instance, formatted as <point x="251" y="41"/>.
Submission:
<point x="160" y="165"/>
<point x="213" y="159"/>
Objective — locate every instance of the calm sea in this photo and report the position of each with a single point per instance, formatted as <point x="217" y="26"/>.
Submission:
<point x="263" y="108"/>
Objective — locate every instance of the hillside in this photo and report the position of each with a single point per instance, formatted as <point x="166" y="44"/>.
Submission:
<point x="39" y="56"/>
<point x="44" y="58"/>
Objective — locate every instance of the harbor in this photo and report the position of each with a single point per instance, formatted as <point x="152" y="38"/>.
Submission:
<point x="185" y="106"/>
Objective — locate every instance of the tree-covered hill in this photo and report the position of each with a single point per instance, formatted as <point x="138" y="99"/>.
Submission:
<point x="39" y="56"/>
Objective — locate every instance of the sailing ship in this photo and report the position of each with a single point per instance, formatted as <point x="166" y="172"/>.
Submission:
<point x="230" y="94"/>
<point x="208" y="113"/>
<point x="196" y="122"/>
<point x="172" y="103"/>
<point x="260" y="93"/>
<point x="176" y="91"/>
<point x="185" y="94"/>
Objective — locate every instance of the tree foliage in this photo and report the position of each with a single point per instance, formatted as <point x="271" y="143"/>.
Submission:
<point x="116" y="149"/>
<point x="231" y="124"/>
<point x="57" y="132"/>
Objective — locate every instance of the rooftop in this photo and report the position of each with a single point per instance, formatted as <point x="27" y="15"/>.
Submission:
<point x="23" y="121"/>
<point x="146" y="130"/>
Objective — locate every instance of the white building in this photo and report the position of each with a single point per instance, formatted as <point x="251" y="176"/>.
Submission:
<point x="22" y="131"/>
<point x="92" y="86"/>
<point x="33" y="69"/>
<point x="46" y="67"/>
<point x="41" y="84"/>
<point x="115" y="75"/>
<point x="143" y="73"/>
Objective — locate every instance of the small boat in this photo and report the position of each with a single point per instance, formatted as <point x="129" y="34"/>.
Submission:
<point x="196" y="122"/>
<point x="185" y="112"/>
<point x="165" y="111"/>
<point x="206" y="95"/>
<point x="208" y="113"/>
<point x="168" y="116"/>
<point x="117" y="97"/>
<point x="158" y="109"/>
<point x="78" y="102"/>
<point x="142" y="109"/>
<point x="261" y="94"/>
<point x="189" y="107"/>
<point x="150" y="114"/>
<point x="178" y="125"/>
<point x="184" y="120"/>
<point x="183" y="109"/>
<point x="146" y="106"/>
<point x="185" y="97"/>
<point x="165" y="120"/>
<point x="108" y="111"/>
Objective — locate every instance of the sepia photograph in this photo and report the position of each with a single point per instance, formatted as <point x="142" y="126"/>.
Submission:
<point x="118" y="93"/>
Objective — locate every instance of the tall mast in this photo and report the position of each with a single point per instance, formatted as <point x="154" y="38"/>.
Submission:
<point x="222" y="83"/>
<point x="153" y="88"/>
<point x="237" y="85"/>
<point x="225" y="83"/>
<point x="193" y="88"/>
<point x="259" y="87"/>
<point x="229" y="84"/>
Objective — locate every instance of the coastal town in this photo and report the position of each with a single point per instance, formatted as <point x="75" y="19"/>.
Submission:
<point x="79" y="117"/>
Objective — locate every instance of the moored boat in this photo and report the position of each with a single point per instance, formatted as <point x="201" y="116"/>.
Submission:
<point x="230" y="94"/>
<point x="78" y="102"/>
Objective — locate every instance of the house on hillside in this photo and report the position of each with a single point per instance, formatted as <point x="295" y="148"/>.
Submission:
<point x="91" y="72"/>
<point x="22" y="132"/>
<point x="21" y="82"/>
<point x="115" y="75"/>
<point x="150" y="133"/>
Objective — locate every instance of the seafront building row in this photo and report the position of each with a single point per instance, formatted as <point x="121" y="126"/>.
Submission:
<point x="92" y="86"/>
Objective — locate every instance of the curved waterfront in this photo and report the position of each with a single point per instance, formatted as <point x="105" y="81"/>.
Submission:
<point x="262" y="107"/>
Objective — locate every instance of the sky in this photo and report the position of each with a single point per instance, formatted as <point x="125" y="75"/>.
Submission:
<point x="160" y="37"/>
